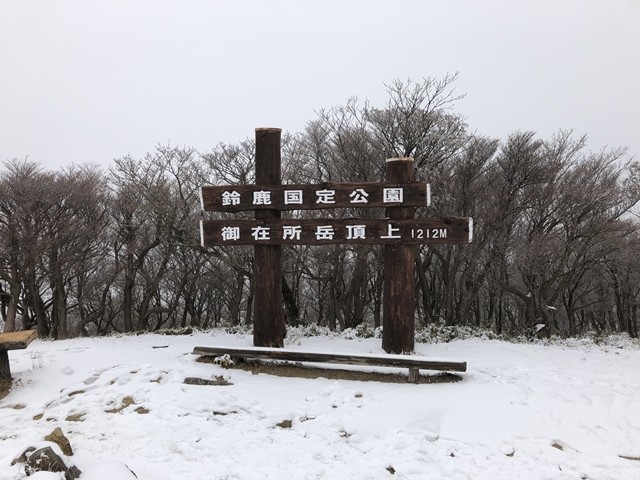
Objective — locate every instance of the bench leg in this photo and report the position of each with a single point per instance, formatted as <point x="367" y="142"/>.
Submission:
<point x="5" y="371"/>
<point x="414" y="374"/>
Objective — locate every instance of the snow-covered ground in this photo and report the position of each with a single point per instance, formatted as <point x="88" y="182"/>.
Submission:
<point x="521" y="412"/>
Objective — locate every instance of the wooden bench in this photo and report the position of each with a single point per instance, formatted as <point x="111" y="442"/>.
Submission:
<point x="412" y="362"/>
<point x="13" y="341"/>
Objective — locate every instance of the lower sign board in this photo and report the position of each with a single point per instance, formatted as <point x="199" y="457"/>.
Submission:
<point x="334" y="231"/>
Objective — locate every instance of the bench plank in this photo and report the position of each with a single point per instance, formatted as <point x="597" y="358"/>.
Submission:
<point x="403" y="361"/>
<point x="17" y="340"/>
<point x="13" y="341"/>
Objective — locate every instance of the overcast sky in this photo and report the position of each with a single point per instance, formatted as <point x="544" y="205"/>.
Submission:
<point x="92" y="80"/>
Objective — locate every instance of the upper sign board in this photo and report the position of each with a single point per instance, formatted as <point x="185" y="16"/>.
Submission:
<point x="237" y="198"/>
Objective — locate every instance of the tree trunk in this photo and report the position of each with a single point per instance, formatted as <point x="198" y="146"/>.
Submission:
<point x="235" y="301"/>
<point x="248" y="321"/>
<point x="423" y="285"/>
<point x="291" y="308"/>
<point x="12" y="308"/>
<point x="58" y="296"/>
<point x="127" y="300"/>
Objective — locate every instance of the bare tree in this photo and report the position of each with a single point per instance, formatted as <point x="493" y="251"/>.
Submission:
<point x="155" y="213"/>
<point x="23" y="192"/>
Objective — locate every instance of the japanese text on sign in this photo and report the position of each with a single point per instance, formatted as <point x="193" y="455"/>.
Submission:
<point x="326" y="196"/>
<point x="331" y="231"/>
<point x="307" y="197"/>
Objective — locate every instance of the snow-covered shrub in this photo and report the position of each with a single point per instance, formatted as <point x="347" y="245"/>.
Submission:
<point x="377" y="333"/>
<point x="224" y="361"/>
<point x="175" y="331"/>
<point x="294" y="334"/>
<point x="434" y="333"/>
<point x="314" y="330"/>
<point x="237" y="329"/>
<point x="365" y="330"/>
<point x="349" y="333"/>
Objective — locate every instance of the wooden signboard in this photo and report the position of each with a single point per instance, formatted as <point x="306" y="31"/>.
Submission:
<point x="323" y="196"/>
<point x="336" y="231"/>
<point x="400" y="232"/>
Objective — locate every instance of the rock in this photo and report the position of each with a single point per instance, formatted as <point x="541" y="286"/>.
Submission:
<point x="76" y="417"/>
<point x="45" y="459"/>
<point x="126" y="403"/>
<point x="58" y="438"/>
<point x="219" y="381"/>
<point x="72" y="473"/>
<point x="23" y="458"/>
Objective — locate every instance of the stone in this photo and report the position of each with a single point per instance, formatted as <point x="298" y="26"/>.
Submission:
<point x="59" y="439"/>
<point x="76" y="417"/>
<point x="72" y="473"/>
<point x="218" y="381"/>
<point x="45" y="459"/>
<point x="126" y="403"/>
<point x="23" y="458"/>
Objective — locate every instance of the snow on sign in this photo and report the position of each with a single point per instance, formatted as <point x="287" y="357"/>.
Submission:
<point x="237" y="198"/>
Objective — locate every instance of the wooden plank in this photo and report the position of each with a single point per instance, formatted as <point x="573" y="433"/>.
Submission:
<point x="238" y="198"/>
<point x="401" y="361"/>
<point x="13" y="341"/>
<point x="17" y="340"/>
<point x="336" y="231"/>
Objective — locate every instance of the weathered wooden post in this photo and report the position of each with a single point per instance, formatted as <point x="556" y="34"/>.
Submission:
<point x="5" y="370"/>
<point x="399" y="284"/>
<point x="268" y="327"/>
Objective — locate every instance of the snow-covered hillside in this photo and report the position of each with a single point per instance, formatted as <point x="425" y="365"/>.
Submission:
<point x="520" y="412"/>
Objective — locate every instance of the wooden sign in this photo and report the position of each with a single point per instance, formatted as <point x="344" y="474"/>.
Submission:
<point x="399" y="232"/>
<point x="336" y="231"/>
<point x="237" y="198"/>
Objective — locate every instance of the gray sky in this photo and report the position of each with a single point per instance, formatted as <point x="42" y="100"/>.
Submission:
<point x="92" y="80"/>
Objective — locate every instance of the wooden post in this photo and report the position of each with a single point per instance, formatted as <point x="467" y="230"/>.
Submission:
<point x="5" y="370"/>
<point x="399" y="284"/>
<point x="268" y="326"/>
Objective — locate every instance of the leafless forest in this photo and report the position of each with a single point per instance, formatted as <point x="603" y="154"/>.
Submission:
<point x="86" y="251"/>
